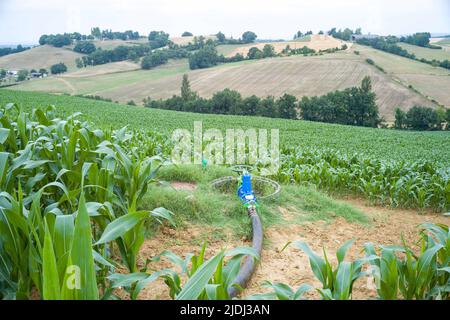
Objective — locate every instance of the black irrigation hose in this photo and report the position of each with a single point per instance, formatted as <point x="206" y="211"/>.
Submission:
<point x="249" y="265"/>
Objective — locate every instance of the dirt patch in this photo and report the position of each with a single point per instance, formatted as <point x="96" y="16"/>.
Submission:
<point x="181" y="242"/>
<point x="292" y="266"/>
<point x="178" y="185"/>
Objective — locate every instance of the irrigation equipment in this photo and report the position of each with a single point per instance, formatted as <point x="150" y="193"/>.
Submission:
<point x="248" y="198"/>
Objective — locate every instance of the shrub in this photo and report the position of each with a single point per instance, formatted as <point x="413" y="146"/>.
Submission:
<point x="85" y="47"/>
<point x="58" y="68"/>
<point x="204" y="58"/>
<point x="154" y="59"/>
<point x="422" y="118"/>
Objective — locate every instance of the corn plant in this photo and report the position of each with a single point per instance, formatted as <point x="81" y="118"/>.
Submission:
<point x="337" y="283"/>
<point x="281" y="291"/>
<point x="207" y="279"/>
<point x="420" y="184"/>
<point x="425" y="275"/>
<point x="64" y="187"/>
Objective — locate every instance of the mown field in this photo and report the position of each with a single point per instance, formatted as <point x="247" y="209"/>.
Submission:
<point x="297" y="75"/>
<point x="426" y="53"/>
<point x="376" y="143"/>
<point x="316" y="42"/>
<point x="40" y="57"/>
<point x="430" y="81"/>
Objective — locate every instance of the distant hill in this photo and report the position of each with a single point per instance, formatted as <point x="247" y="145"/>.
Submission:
<point x="39" y="57"/>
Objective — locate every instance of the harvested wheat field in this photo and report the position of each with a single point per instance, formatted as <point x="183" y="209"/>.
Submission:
<point x="296" y="75"/>
<point x="317" y="42"/>
<point x="182" y="41"/>
<point x="299" y="76"/>
<point x="291" y="266"/>
<point x="40" y="57"/>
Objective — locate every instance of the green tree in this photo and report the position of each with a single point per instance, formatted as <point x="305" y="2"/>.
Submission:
<point x="204" y="58"/>
<point x="79" y="63"/>
<point x="441" y="114"/>
<point x="250" y="106"/>
<point x="400" y="118"/>
<point x="187" y="34"/>
<point x="58" y="68"/>
<point x="220" y="37"/>
<point x="186" y="93"/>
<point x="255" y="53"/>
<point x="268" y="51"/>
<point x="2" y="73"/>
<point x="43" y="71"/>
<point x="268" y="108"/>
<point x="287" y="106"/>
<point x="85" y="47"/>
<point x="154" y="59"/>
<point x="421" y="118"/>
<point x="22" y="75"/>
<point x="158" y="39"/>
<point x="447" y="118"/>
<point x="96" y="33"/>
<point x="249" y="36"/>
<point x="226" y="102"/>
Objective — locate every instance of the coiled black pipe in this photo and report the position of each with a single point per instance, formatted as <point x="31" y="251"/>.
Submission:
<point x="248" y="267"/>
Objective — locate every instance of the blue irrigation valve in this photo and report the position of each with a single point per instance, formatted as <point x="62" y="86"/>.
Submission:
<point x="245" y="191"/>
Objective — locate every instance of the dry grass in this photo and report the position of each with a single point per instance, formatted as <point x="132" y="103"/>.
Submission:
<point x="316" y="42"/>
<point x="182" y="41"/>
<point x="433" y="82"/>
<point x="426" y="53"/>
<point x="39" y="57"/>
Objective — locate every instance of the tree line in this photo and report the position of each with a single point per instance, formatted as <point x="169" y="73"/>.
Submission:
<point x="6" y="51"/>
<point x="96" y="33"/>
<point x="421" y="39"/>
<point x="66" y="39"/>
<point x="345" y="34"/>
<point x="353" y="106"/>
<point x="120" y="53"/>
<point x="422" y="118"/>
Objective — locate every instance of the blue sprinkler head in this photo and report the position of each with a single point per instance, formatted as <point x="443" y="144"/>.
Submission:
<point x="245" y="191"/>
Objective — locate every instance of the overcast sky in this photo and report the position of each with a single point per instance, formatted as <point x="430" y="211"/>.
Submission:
<point x="23" y="21"/>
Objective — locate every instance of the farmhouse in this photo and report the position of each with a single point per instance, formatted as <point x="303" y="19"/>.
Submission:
<point x="36" y="75"/>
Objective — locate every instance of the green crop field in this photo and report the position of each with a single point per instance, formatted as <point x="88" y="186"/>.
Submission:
<point x="378" y="143"/>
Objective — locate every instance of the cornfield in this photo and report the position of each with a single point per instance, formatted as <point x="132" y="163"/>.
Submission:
<point x="70" y="216"/>
<point x="69" y="202"/>
<point x="419" y="184"/>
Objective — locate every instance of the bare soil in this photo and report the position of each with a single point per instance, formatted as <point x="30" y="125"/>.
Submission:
<point x="292" y="266"/>
<point x="189" y="186"/>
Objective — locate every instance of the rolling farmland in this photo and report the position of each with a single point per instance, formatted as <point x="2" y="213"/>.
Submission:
<point x="40" y="57"/>
<point x="426" y="53"/>
<point x="430" y="81"/>
<point x="297" y="75"/>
